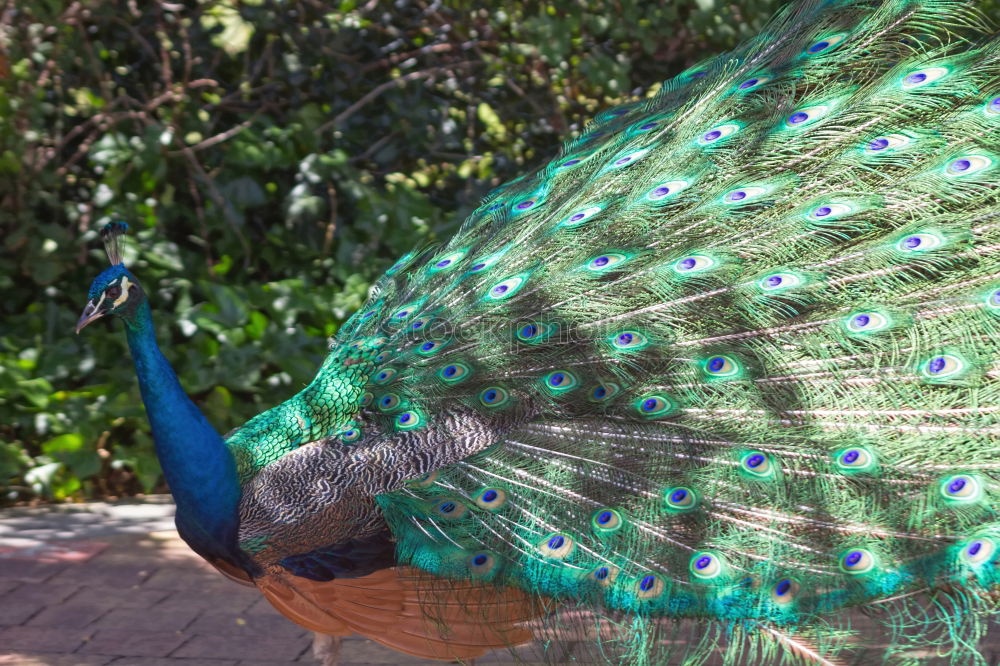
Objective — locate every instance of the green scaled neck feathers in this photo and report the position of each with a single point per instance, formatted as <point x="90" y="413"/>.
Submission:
<point x="325" y="408"/>
<point x="197" y="464"/>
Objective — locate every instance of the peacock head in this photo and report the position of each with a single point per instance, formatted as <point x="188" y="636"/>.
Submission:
<point x="115" y="291"/>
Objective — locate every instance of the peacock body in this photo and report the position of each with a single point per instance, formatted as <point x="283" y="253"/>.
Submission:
<point x="731" y="357"/>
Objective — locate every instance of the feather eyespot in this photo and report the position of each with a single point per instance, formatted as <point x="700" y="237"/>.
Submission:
<point x="826" y="44"/>
<point x="409" y="420"/>
<point x="491" y="499"/>
<point x="857" y="561"/>
<point x="855" y="460"/>
<point x="743" y="195"/>
<point x="606" y="521"/>
<point x="482" y="563"/>
<point x="866" y="322"/>
<point x="807" y="116"/>
<point x="992" y="107"/>
<point x="943" y="366"/>
<point x="628" y="341"/>
<point x="483" y="263"/>
<point x="581" y="216"/>
<point x="534" y="332"/>
<point x="655" y="405"/>
<point x="649" y="587"/>
<point x="384" y="376"/>
<point x="695" y="263"/>
<point x="604" y="575"/>
<point x="717" y="134"/>
<point x="628" y="159"/>
<point x="351" y="435"/>
<point x="707" y="565"/>
<point x="605" y="262"/>
<point x="450" y="509"/>
<point x="454" y="373"/>
<point x="961" y="488"/>
<point x="752" y="83"/>
<point x="494" y="396"/>
<point x="447" y="262"/>
<point x="388" y="402"/>
<point x="785" y="591"/>
<point x="527" y="204"/>
<point x="560" y="381"/>
<point x="758" y="465"/>
<point x="920" y="242"/>
<point x="779" y="281"/>
<point x="403" y="313"/>
<point x="978" y="551"/>
<point x="922" y="77"/>
<point x="557" y="546"/>
<point x="680" y="499"/>
<point x="505" y="288"/>
<point x="967" y="165"/>
<point x="888" y="142"/>
<point x="829" y="211"/>
<point x="993" y="301"/>
<point x="666" y="191"/>
<point x="572" y="161"/>
<point x="721" y="366"/>
<point x="604" y="392"/>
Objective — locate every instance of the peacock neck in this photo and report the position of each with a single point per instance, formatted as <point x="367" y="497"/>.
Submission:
<point x="196" y="461"/>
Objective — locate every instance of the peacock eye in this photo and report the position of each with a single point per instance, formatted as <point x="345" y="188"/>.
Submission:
<point x="779" y="281"/>
<point x="923" y="77"/>
<point x="967" y="165"/>
<point x="113" y="292"/>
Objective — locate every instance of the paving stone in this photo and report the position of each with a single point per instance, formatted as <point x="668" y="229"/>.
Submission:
<point x="27" y="571"/>
<point x="263" y="607"/>
<point x="170" y="661"/>
<point x="242" y="647"/>
<point x="178" y="577"/>
<point x="229" y="624"/>
<point x="99" y="575"/>
<point x="221" y="603"/>
<point x="42" y="639"/>
<point x="14" y="611"/>
<point x="71" y="616"/>
<point x="156" y="619"/>
<point x="129" y="643"/>
<point x="362" y="651"/>
<point x="119" y="597"/>
<point x="26" y="659"/>
<point x="44" y="593"/>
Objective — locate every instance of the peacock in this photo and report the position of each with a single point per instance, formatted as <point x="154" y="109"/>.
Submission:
<point x="722" y="373"/>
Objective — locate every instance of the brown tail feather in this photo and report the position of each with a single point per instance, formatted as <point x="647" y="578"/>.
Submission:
<point x="407" y="610"/>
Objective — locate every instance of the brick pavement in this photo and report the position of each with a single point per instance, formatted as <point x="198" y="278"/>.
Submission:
<point x="99" y="584"/>
<point x="143" y="600"/>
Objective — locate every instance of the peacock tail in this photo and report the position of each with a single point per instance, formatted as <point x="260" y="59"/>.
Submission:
<point x="732" y="357"/>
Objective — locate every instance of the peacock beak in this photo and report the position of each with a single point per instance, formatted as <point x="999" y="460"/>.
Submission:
<point x="90" y="313"/>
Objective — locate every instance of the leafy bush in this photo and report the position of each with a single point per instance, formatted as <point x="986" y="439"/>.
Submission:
<point x="272" y="158"/>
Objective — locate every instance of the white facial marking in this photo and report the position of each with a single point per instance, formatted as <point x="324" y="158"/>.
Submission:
<point x="124" y="297"/>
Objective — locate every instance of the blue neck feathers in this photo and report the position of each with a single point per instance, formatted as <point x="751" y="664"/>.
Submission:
<point x="196" y="461"/>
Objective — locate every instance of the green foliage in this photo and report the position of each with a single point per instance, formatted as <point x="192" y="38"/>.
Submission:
<point x="272" y="159"/>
